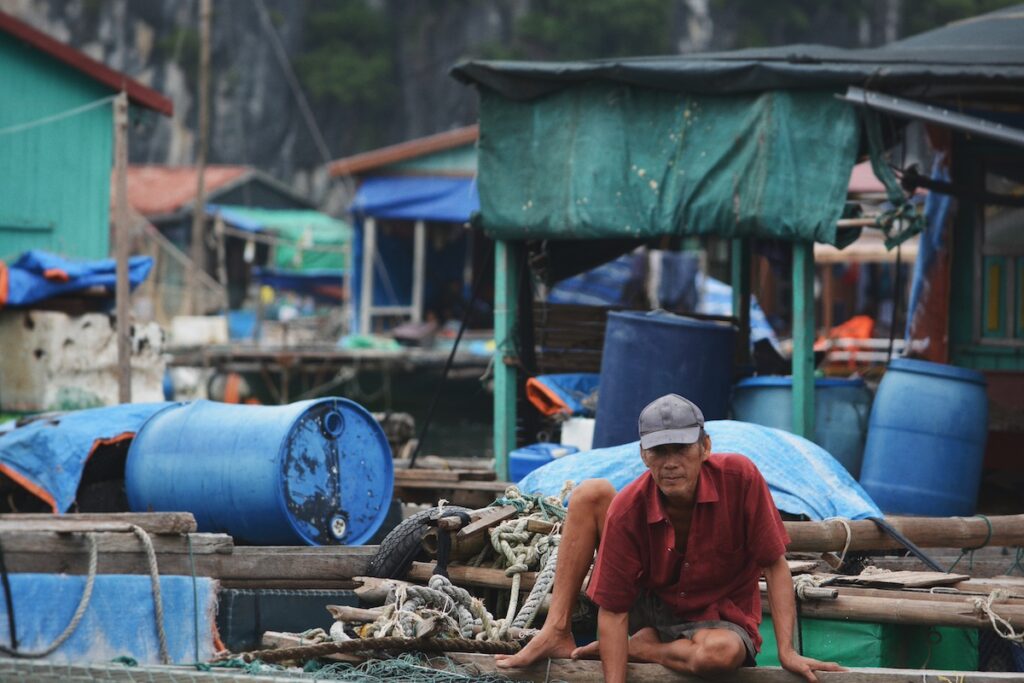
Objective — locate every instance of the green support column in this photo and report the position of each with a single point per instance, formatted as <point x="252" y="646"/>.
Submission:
<point x="740" y="263"/>
<point x="803" y="339"/>
<point x="506" y="279"/>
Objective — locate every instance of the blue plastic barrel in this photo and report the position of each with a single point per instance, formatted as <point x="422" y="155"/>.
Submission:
<point x="647" y="355"/>
<point x="315" y="472"/>
<point x="841" y="411"/>
<point x="524" y="460"/>
<point x="926" y="439"/>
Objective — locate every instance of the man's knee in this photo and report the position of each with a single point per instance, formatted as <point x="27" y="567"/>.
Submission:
<point x="592" y="494"/>
<point x="719" y="651"/>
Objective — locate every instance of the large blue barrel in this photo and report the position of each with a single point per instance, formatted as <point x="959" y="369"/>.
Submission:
<point x="647" y="355"/>
<point x="841" y="411"/>
<point x="315" y="472"/>
<point x="926" y="439"/>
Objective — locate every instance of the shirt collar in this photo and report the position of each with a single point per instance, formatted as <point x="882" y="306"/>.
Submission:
<point x="707" y="492"/>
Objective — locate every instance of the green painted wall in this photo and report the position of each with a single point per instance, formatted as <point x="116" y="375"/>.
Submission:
<point x="54" y="178"/>
<point x="459" y="160"/>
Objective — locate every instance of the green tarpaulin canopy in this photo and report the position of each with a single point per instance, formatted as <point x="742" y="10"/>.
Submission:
<point x="743" y="143"/>
<point x="303" y="234"/>
<point x="606" y="160"/>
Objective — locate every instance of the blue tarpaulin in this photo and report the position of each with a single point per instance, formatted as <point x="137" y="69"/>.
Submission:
<point x="118" y="621"/>
<point x="448" y="200"/>
<point x="47" y="456"/>
<point x="38" y="275"/>
<point x="564" y="394"/>
<point x="802" y="477"/>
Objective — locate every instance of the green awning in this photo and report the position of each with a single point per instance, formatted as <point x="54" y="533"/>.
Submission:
<point x="309" y="240"/>
<point x="607" y="160"/>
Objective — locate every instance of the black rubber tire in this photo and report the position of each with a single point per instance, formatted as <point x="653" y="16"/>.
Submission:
<point x="399" y="548"/>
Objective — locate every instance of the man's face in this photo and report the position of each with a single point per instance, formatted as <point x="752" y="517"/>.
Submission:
<point x="676" y="467"/>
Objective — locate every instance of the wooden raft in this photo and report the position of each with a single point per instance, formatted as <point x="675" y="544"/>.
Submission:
<point x="590" y="670"/>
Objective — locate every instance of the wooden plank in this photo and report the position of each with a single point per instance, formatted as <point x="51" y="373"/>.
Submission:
<point x="403" y="476"/>
<point x="247" y="563"/>
<point x="153" y="522"/>
<point x="47" y="542"/>
<point x="483" y="577"/>
<point x="984" y="568"/>
<point x="497" y="487"/>
<point x="291" y="584"/>
<point x="590" y="670"/>
<point x="901" y="579"/>
<point x="487" y="519"/>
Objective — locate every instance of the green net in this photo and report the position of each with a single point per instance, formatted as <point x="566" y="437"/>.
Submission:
<point x="410" y="667"/>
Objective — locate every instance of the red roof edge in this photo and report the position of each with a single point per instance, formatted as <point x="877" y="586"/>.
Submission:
<point x="393" y="154"/>
<point x="137" y="93"/>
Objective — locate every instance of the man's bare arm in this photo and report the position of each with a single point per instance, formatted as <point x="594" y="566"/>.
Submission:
<point x="613" y="639"/>
<point x="783" y="604"/>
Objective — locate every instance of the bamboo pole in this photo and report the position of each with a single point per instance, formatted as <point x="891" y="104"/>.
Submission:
<point x="906" y="611"/>
<point x="925" y="532"/>
<point x="122" y="249"/>
<point x="199" y="209"/>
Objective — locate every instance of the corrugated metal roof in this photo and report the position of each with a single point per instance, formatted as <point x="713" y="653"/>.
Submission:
<point x="115" y="80"/>
<point x="159" y="190"/>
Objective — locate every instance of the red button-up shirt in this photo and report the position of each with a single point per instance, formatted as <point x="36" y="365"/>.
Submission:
<point x="736" y="530"/>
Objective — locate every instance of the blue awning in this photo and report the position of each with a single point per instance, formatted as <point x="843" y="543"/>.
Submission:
<point x="417" y="198"/>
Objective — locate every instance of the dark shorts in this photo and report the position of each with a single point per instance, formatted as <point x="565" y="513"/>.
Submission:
<point x="649" y="610"/>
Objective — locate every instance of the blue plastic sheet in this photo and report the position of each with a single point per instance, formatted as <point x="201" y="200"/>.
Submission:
<point x="119" y="620"/>
<point x="47" y="456"/>
<point x="429" y="198"/>
<point x="38" y="275"/>
<point x="575" y="392"/>
<point x="802" y="477"/>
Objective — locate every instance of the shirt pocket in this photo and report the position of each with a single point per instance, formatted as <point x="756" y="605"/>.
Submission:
<point x="717" y="564"/>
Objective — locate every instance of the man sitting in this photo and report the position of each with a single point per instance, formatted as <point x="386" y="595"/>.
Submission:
<point x="681" y="550"/>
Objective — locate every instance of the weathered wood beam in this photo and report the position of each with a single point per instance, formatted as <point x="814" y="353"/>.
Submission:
<point x="482" y="577"/>
<point x="253" y="564"/>
<point x="52" y="542"/>
<point x="590" y="670"/>
<point x="153" y="522"/>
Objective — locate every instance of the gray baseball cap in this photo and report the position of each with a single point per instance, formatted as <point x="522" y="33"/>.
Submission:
<point x="670" y="419"/>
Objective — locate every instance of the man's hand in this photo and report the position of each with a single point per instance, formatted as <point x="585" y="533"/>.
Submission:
<point x="805" y="666"/>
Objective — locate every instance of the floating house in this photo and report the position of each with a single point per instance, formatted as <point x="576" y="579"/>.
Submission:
<point x="57" y="143"/>
<point x="413" y="252"/>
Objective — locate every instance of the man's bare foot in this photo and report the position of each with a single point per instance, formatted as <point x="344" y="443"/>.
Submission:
<point x="547" y="643"/>
<point x="588" y="651"/>
<point x="643" y="644"/>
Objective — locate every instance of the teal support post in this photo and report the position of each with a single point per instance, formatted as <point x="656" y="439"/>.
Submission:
<point x="740" y="263"/>
<point x="803" y="339"/>
<point x="506" y="282"/>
